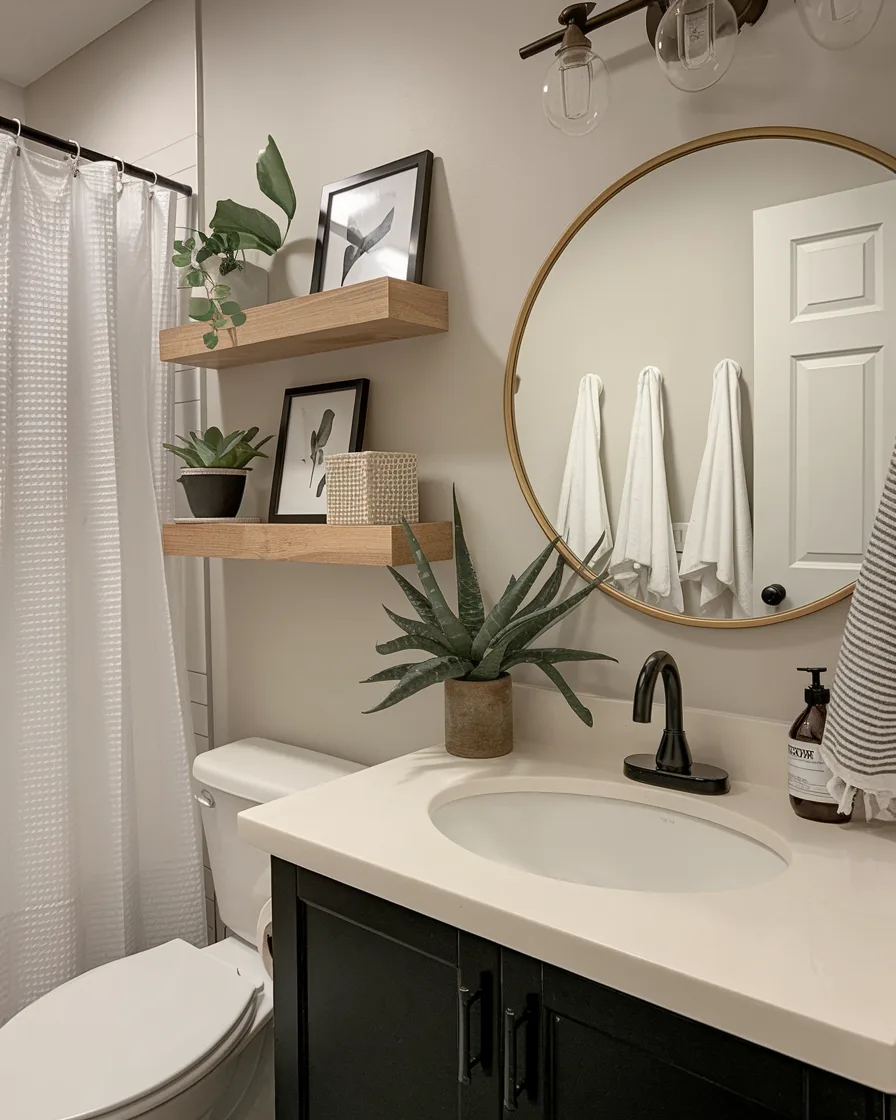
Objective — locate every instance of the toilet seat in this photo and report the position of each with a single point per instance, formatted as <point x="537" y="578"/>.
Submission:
<point x="128" y="1034"/>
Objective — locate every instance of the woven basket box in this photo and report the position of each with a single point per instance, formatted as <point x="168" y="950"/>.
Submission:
<point x="372" y="488"/>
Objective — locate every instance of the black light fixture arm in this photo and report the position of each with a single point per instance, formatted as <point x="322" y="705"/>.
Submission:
<point x="23" y="131"/>
<point x="579" y="14"/>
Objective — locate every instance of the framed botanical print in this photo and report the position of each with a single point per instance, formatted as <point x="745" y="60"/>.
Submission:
<point x="317" y="420"/>
<point x="374" y="224"/>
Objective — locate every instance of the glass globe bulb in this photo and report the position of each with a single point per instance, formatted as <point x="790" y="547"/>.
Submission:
<point x="576" y="90"/>
<point x="695" y="42"/>
<point x="838" y="24"/>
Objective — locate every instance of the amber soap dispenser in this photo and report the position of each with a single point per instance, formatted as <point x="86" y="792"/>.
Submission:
<point x="807" y="775"/>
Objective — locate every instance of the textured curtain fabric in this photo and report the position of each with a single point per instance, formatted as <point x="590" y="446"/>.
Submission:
<point x="100" y="854"/>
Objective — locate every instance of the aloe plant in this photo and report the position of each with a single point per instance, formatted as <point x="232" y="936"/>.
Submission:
<point x="235" y="228"/>
<point x="213" y="449"/>
<point x="473" y="645"/>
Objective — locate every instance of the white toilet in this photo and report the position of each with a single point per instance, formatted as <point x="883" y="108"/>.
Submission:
<point x="175" y="1032"/>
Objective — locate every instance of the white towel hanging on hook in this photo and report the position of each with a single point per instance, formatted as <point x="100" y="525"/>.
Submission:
<point x="643" y="564"/>
<point x="582" y="515"/>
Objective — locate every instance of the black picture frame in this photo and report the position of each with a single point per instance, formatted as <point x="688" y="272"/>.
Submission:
<point x="361" y="386"/>
<point x="423" y="162"/>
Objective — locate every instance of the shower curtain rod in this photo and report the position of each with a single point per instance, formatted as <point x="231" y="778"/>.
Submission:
<point x="14" y="126"/>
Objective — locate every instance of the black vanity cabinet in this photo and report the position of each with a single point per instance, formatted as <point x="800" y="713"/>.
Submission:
<point x="384" y="1014"/>
<point x="381" y="1013"/>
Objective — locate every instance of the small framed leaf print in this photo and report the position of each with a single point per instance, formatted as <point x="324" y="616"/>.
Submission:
<point x="317" y="421"/>
<point x="374" y="224"/>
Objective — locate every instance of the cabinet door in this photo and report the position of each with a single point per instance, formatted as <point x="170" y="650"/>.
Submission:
<point x="603" y="1054"/>
<point x="393" y="1015"/>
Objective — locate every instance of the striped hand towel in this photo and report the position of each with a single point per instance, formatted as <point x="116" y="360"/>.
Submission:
<point x="859" y="744"/>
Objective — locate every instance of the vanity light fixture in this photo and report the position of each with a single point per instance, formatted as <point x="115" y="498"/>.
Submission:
<point x="695" y="42"/>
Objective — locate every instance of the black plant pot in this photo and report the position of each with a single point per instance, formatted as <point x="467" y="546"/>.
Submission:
<point x="213" y="492"/>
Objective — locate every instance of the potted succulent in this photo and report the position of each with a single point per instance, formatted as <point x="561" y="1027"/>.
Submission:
<point x="207" y="258"/>
<point x="217" y="467"/>
<point x="473" y="652"/>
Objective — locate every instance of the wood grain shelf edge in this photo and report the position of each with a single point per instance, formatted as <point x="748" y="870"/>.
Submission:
<point x="370" y="545"/>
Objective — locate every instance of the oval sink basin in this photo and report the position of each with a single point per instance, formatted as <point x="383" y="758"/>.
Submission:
<point x="605" y="842"/>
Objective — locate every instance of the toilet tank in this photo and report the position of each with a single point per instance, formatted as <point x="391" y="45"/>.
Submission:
<point x="237" y="776"/>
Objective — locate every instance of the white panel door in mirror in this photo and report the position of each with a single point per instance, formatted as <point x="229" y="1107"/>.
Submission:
<point x="825" y="400"/>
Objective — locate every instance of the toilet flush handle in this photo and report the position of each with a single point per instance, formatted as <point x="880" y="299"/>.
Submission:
<point x="205" y="799"/>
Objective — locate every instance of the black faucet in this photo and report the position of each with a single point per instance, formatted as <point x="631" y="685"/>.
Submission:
<point x="673" y="766"/>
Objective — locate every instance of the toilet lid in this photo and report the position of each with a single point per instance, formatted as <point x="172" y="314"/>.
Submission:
<point x="120" y="1032"/>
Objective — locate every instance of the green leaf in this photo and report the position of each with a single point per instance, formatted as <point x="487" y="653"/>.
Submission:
<point x="273" y="178"/>
<point x="406" y="642"/>
<point x="229" y="442"/>
<point x="221" y="291"/>
<point x="204" y="253"/>
<point x="230" y="307"/>
<point x="419" y="629"/>
<point x="432" y="671"/>
<point x="210" y="339"/>
<point x="416" y="598"/>
<point x="255" y="229"/>
<point x="251" y="434"/>
<point x="526" y="630"/>
<point x="470" y="608"/>
<point x="553" y="655"/>
<point x="182" y="260"/>
<point x="550" y="589"/>
<point x="237" y="318"/>
<point x="201" y="309"/>
<point x="190" y="244"/>
<point x="219" y="323"/>
<point x="213" y="437"/>
<point x="569" y="696"/>
<point x="178" y="246"/>
<point x="393" y="673"/>
<point x="194" y="278"/>
<point x="455" y="633"/>
<point x="503" y="611"/>
<point x="186" y="453"/>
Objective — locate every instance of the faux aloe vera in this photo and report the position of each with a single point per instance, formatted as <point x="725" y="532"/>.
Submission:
<point x="470" y="644"/>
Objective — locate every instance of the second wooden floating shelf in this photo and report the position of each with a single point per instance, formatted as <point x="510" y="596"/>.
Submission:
<point x="382" y="310"/>
<point x="372" y="545"/>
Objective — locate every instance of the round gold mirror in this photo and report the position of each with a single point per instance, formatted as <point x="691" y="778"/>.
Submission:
<point x="704" y="371"/>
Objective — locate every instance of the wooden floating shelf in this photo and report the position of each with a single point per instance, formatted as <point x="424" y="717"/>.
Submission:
<point x="382" y="310"/>
<point x="375" y="545"/>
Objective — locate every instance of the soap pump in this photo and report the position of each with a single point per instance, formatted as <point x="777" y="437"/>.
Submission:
<point x="807" y="774"/>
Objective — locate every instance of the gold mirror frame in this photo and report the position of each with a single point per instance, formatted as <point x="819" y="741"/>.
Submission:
<point x="718" y="139"/>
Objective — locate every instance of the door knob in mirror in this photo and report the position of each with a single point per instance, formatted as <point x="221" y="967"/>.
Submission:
<point x="774" y="595"/>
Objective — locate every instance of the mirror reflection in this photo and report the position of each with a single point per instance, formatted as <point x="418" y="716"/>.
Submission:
<point x="706" y="377"/>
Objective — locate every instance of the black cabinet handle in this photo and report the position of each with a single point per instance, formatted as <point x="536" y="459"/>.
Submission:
<point x="513" y="1088"/>
<point x="774" y="595"/>
<point x="465" y="1061"/>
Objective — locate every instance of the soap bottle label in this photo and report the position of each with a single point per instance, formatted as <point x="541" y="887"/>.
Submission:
<point x="807" y="775"/>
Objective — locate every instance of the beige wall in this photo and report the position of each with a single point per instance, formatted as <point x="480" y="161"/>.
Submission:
<point x="12" y="100"/>
<point x="389" y="79"/>
<point x="129" y="93"/>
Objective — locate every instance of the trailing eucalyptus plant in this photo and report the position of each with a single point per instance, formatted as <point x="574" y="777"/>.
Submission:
<point x="235" y="228"/>
<point x="213" y="449"/>
<point x="471" y="645"/>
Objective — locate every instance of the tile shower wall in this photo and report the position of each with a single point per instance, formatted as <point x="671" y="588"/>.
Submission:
<point x="132" y="93"/>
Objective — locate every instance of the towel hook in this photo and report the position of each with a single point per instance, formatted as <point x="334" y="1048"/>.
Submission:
<point x="18" y="135"/>
<point x="120" y="163"/>
<point x="76" y="158"/>
<point x="152" y="189"/>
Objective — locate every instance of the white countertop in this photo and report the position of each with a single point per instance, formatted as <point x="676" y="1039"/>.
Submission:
<point x="804" y="964"/>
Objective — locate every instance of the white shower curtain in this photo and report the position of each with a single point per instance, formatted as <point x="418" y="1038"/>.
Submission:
<point x="100" y="853"/>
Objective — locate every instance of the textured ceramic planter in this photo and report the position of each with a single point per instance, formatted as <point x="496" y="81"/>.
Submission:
<point x="213" y="491"/>
<point x="479" y="718"/>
